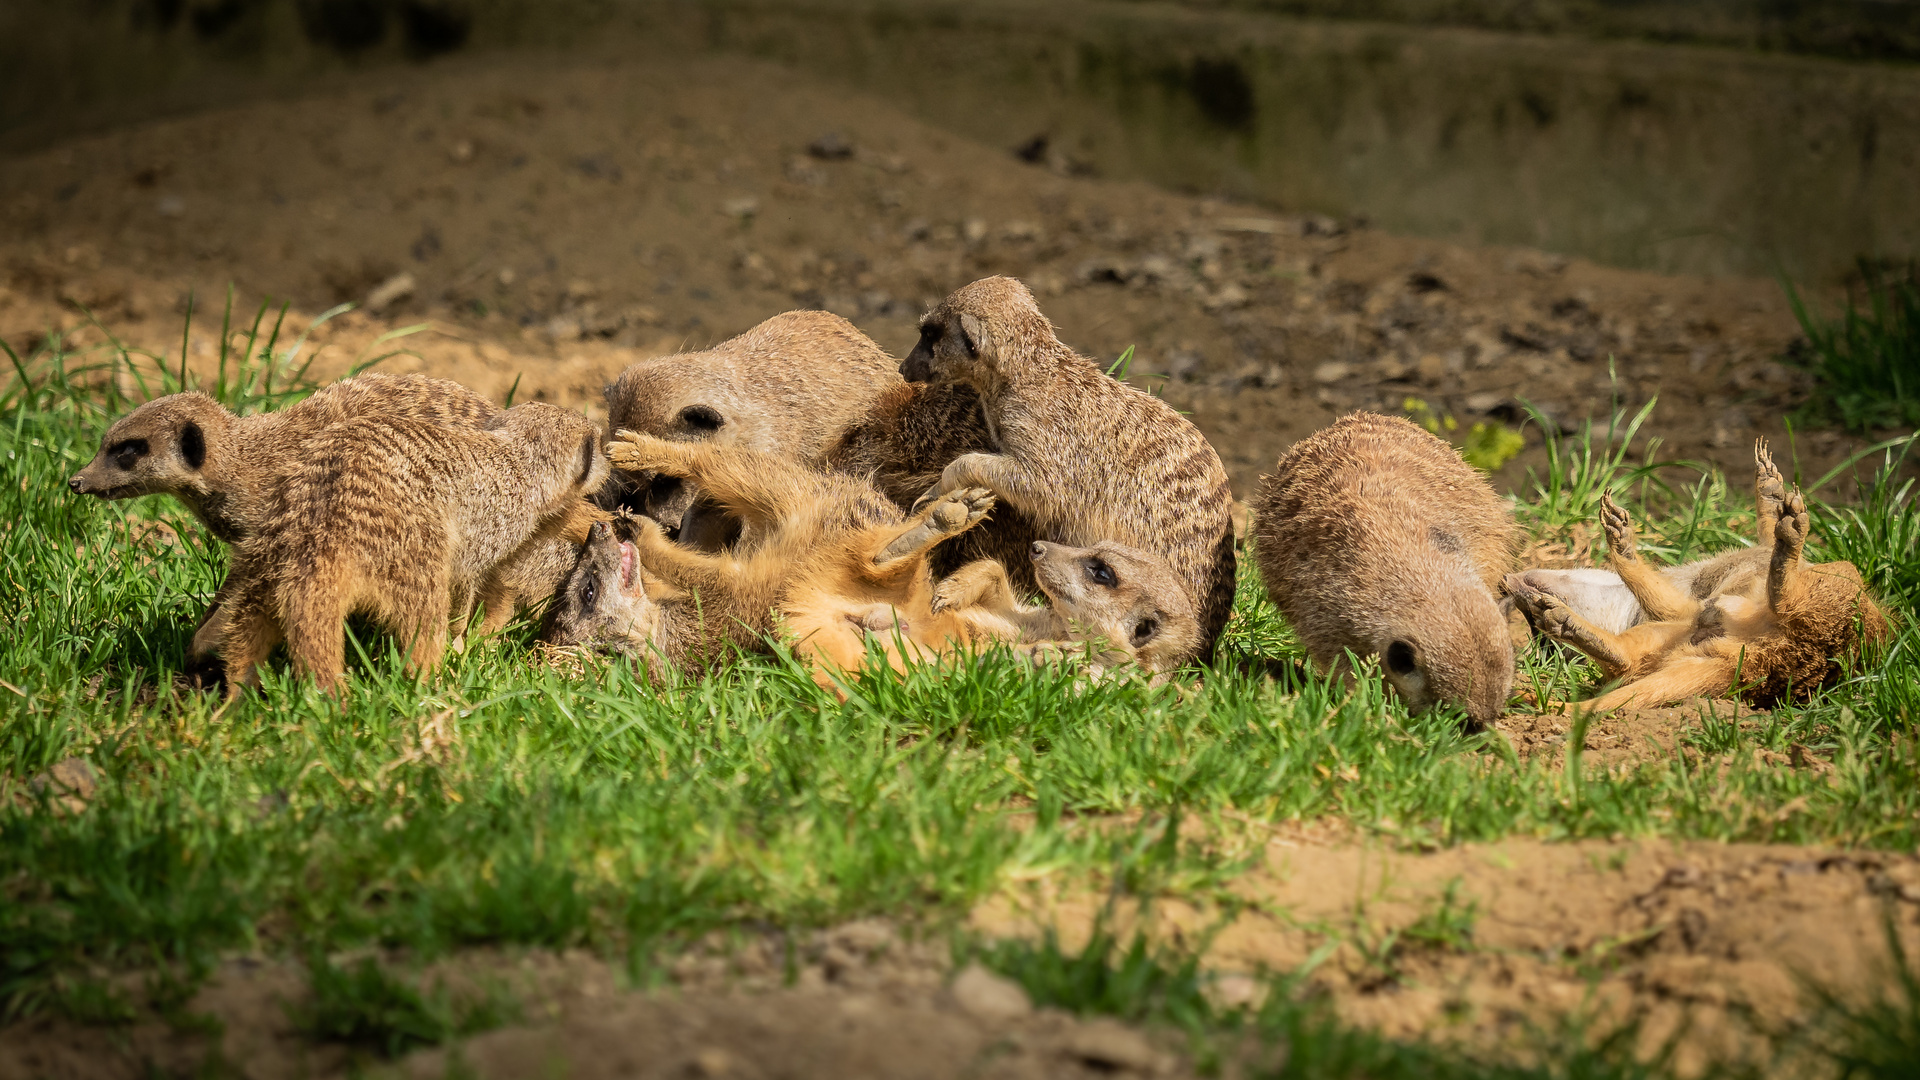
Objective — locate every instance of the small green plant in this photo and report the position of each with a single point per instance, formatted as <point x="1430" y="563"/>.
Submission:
<point x="1488" y="445"/>
<point x="370" y="1008"/>
<point x="1866" y="363"/>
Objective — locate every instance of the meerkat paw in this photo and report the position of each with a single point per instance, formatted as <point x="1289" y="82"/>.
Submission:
<point x="1551" y="614"/>
<point x="1769" y="487"/>
<point x="961" y="510"/>
<point x="636" y="451"/>
<point x="1794" y="522"/>
<point x="1618" y="526"/>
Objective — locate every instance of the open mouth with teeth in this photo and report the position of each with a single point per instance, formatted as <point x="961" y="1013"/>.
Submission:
<point x="628" y="561"/>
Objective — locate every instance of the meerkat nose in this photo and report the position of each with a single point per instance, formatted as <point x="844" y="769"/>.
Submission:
<point x="1039" y="549"/>
<point x="73" y="483"/>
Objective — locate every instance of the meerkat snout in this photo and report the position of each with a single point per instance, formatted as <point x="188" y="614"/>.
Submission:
<point x="949" y="343"/>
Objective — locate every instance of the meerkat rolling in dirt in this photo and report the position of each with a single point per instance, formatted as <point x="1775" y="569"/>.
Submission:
<point x="788" y="387"/>
<point x="404" y="522"/>
<point x="1605" y="599"/>
<point x="1374" y="537"/>
<point x="1771" y="637"/>
<point x="1085" y="457"/>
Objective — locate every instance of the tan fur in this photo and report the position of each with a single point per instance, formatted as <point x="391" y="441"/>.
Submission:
<point x="789" y="387"/>
<point x="838" y="568"/>
<point x="913" y="432"/>
<point x="1086" y="458"/>
<point x="405" y="522"/>
<point x="1374" y="537"/>
<point x="609" y="601"/>
<point x="1770" y="636"/>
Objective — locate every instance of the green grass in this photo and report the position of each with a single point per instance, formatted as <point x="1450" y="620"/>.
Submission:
<point x="504" y="801"/>
<point x="1866" y="363"/>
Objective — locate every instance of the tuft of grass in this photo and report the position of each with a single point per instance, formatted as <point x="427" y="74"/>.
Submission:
<point x="1487" y="445"/>
<point x="374" y="1010"/>
<point x="1866" y="363"/>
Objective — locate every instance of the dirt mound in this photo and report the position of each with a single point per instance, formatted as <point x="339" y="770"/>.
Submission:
<point x="1487" y="943"/>
<point x="555" y="220"/>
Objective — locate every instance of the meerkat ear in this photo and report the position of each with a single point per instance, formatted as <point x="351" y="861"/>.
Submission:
<point x="589" y="457"/>
<point x="973" y="332"/>
<point x="193" y="445"/>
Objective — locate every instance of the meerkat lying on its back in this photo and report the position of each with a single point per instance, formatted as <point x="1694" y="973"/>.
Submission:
<point x="788" y="387"/>
<point x="1085" y="457"/>
<point x="1604" y="598"/>
<point x="610" y="601"/>
<point x="1374" y="537"/>
<point x="1772" y="637"/>
<point x="1109" y="593"/>
<point x="405" y="522"/>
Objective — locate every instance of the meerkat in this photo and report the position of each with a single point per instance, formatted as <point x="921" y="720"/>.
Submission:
<point x="1771" y="637"/>
<point x="1605" y="599"/>
<point x="1374" y="537"/>
<point x="789" y="387"/>
<point x="1126" y="600"/>
<point x="402" y="521"/>
<point x="216" y="464"/>
<point x="1085" y="457"/>
<point x="847" y="573"/>
<point x="609" y="601"/>
<point x="913" y="431"/>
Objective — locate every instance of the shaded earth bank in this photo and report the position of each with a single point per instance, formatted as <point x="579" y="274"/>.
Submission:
<point x="554" y="222"/>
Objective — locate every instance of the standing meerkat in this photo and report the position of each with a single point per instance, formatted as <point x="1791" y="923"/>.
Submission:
<point x="1085" y="457"/>
<point x="404" y="522"/>
<point x="1374" y="537"/>
<point x="789" y="386"/>
<point x="218" y="465"/>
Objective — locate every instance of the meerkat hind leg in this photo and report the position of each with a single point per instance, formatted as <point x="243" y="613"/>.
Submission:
<point x="980" y="583"/>
<point x="950" y="515"/>
<point x="1662" y="600"/>
<point x="1769" y="493"/>
<point x="1684" y="677"/>
<point x="1790" y="538"/>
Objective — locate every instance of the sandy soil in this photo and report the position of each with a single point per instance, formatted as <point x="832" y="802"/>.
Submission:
<point x="559" y="220"/>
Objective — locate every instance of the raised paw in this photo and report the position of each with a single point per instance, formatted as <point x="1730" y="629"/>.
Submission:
<point x="1794" y="523"/>
<point x="1619" y="528"/>
<point x="1548" y="612"/>
<point x="636" y="451"/>
<point x="960" y="510"/>
<point x="1769" y="487"/>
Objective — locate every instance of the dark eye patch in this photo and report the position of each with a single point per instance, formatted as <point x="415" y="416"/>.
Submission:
<point x="193" y="446"/>
<point x="1400" y="659"/>
<point x="703" y="417"/>
<point x="126" y="453"/>
<point x="1101" y="574"/>
<point x="1144" y="629"/>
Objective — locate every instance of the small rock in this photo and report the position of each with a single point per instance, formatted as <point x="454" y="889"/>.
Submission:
<point x="461" y="152"/>
<point x="1432" y="368"/>
<point x="1332" y="372"/>
<point x="1484" y="402"/>
<point x="1107" y="1043"/>
<point x="711" y="1062"/>
<point x="985" y="996"/>
<point x="389" y="292"/>
<point x="171" y="206"/>
<point x="975" y="230"/>
<point x="744" y="207"/>
<point x="832" y="146"/>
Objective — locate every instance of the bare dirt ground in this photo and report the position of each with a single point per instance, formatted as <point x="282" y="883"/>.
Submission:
<point x="558" y="220"/>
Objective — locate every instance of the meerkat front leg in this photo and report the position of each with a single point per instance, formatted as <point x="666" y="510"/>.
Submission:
<point x="950" y="515"/>
<point x="998" y="473"/>
<point x="1561" y="623"/>
<point x="682" y="567"/>
<point x="1789" y="542"/>
<point x="760" y="488"/>
<point x="1660" y="598"/>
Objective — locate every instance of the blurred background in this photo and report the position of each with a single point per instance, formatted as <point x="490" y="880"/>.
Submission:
<point x="1502" y="217"/>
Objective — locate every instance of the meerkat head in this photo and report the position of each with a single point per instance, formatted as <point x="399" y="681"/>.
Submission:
<point x="160" y="447"/>
<point x="608" y="601"/>
<point x="1452" y="647"/>
<point x="688" y="400"/>
<point x="973" y="334"/>
<point x="1121" y="594"/>
<point x="560" y="447"/>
